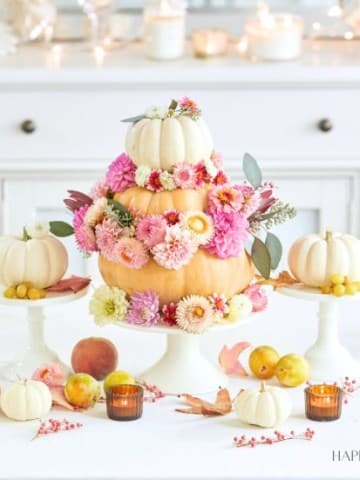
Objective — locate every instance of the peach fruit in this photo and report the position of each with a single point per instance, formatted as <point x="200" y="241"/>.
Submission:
<point x="96" y="356"/>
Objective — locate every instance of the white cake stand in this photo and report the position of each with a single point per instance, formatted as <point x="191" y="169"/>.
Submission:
<point x="183" y="368"/>
<point x="37" y="353"/>
<point x="328" y="359"/>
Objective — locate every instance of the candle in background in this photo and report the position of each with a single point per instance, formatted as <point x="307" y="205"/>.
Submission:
<point x="164" y="29"/>
<point x="210" y="43"/>
<point x="323" y="402"/>
<point x="274" y="36"/>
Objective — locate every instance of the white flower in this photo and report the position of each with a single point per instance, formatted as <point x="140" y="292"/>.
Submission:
<point x="142" y="175"/>
<point x="167" y="181"/>
<point x="194" y="314"/>
<point x="240" y="306"/>
<point x="156" y="112"/>
<point x="199" y="225"/>
<point x="38" y="229"/>
<point x="108" y="305"/>
<point x="95" y="212"/>
<point x="210" y="168"/>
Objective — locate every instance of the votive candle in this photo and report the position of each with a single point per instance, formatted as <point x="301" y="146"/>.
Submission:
<point x="124" y="402"/>
<point x="210" y="43"/>
<point x="323" y="402"/>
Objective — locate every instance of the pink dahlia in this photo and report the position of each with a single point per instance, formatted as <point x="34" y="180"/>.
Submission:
<point x="130" y="252"/>
<point x="151" y="230"/>
<point x="221" y="178"/>
<point x="184" y="176"/>
<point x="121" y="174"/>
<point x="169" y="314"/>
<point x="52" y="374"/>
<point x="144" y="309"/>
<point x="99" y="190"/>
<point x="231" y="233"/>
<point x="201" y="174"/>
<point x="226" y="198"/>
<point x="84" y="234"/>
<point x="177" y="249"/>
<point x="172" y="217"/>
<point x="107" y="234"/>
<point x="258" y="297"/>
<point x="154" y="183"/>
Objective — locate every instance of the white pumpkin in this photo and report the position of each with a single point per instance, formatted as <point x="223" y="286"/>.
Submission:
<point x="26" y="400"/>
<point x="314" y="258"/>
<point x="265" y="406"/>
<point x="164" y="143"/>
<point x="41" y="261"/>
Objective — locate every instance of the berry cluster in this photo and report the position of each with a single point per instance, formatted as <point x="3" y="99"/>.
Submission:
<point x="153" y="393"/>
<point x="54" y="426"/>
<point x="340" y="285"/>
<point x="24" y="291"/>
<point x="243" y="441"/>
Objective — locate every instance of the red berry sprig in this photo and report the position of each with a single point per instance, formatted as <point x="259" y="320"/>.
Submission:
<point x="54" y="426"/>
<point x="243" y="441"/>
<point x="152" y="392"/>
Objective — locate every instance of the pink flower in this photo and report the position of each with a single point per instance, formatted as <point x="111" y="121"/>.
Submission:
<point x="52" y="374"/>
<point x="121" y="174"/>
<point x="189" y="106"/>
<point x="266" y="200"/>
<point x="221" y="178"/>
<point x="154" y="184"/>
<point x="257" y="297"/>
<point x="226" y="198"/>
<point x="107" y="234"/>
<point x="231" y="233"/>
<point x="84" y="234"/>
<point x="217" y="159"/>
<point x="177" y="249"/>
<point x="151" y="230"/>
<point x="184" y="176"/>
<point x="99" y="190"/>
<point x="144" y="309"/>
<point x="201" y="174"/>
<point x="172" y="217"/>
<point x="219" y="303"/>
<point x="251" y="200"/>
<point x="130" y="252"/>
<point x="169" y="314"/>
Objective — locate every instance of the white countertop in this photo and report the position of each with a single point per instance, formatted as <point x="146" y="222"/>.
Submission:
<point x="324" y="62"/>
<point x="165" y="444"/>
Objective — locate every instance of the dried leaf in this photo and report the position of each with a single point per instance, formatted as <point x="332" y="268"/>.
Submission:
<point x="58" y="398"/>
<point x="284" y="279"/>
<point x="222" y="404"/>
<point x="229" y="359"/>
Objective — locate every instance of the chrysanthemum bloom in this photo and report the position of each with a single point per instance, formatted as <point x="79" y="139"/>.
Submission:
<point x="199" y="225"/>
<point x="100" y="189"/>
<point x="107" y="234"/>
<point x="184" y="176"/>
<point x="95" y="212"/>
<point x="194" y="314"/>
<point x="226" y="198"/>
<point x="108" y="305"/>
<point x="121" y="174"/>
<point x="177" y="249"/>
<point x="154" y="183"/>
<point x="251" y="201"/>
<point x="130" y="252"/>
<point x="84" y="235"/>
<point x="257" y="297"/>
<point x="240" y="307"/>
<point x="151" y="230"/>
<point x="144" y="309"/>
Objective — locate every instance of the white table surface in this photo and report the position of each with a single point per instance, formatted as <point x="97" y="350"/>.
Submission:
<point x="166" y="444"/>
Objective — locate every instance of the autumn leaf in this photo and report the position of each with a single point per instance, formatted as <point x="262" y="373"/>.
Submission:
<point x="197" y="406"/>
<point x="229" y="359"/>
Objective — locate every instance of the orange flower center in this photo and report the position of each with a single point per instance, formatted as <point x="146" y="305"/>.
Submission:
<point x="226" y="196"/>
<point x="125" y="257"/>
<point x="198" y="312"/>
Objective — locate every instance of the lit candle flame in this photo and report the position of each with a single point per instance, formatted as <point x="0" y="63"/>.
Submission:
<point x="99" y="54"/>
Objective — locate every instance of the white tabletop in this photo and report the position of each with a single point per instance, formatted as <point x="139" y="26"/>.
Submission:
<point x="166" y="444"/>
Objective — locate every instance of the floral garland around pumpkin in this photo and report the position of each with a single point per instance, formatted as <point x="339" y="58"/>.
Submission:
<point x="193" y="314"/>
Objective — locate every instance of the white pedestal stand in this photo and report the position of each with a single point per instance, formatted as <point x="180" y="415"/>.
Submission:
<point x="183" y="368"/>
<point x="329" y="360"/>
<point x="37" y="353"/>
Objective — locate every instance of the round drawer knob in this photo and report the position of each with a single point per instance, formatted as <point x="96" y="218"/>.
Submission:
<point x="325" y="125"/>
<point x="28" y="126"/>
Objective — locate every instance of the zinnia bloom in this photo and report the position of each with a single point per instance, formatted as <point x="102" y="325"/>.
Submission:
<point x="52" y="374"/>
<point x="199" y="225"/>
<point x="257" y="297"/>
<point x="130" y="252"/>
<point x="184" y="176"/>
<point x="154" y="183"/>
<point x="95" y="212"/>
<point x="151" y="230"/>
<point x="84" y="235"/>
<point x="190" y="106"/>
<point x="177" y="249"/>
<point x="227" y="198"/>
<point x="107" y="234"/>
<point x="172" y="217"/>
<point x="252" y="200"/>
<point x="194" y="314"/>
<point x="201" y="174"/>
<point x="169" y="314"/>
<point x="240" y="307"/>
<point x="221" y="178"/>
<point x="144" y="309"/>
<point x="121" y="174"/>
<point x="99" y="190"/>
<point x="108" y="305"/>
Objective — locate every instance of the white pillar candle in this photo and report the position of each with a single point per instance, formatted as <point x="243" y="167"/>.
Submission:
<point x="164" y="31"/>
<point x="274" y="36"/>
<point x="210" y="43"/>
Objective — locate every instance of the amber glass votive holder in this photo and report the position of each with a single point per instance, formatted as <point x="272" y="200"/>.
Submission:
<point x="323" y="402"/>
<point x="124" y="402"/>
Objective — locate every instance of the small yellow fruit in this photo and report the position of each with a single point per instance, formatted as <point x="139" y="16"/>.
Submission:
<point x="292" y="370"/>
<point x="351" y="289"/>
<point x="28" y="285"/>
<point x="118" y="377"/>
<point x="339" y="290"/>
<point x="21" y="290"/>
<point x="10" y="292"/>
<point x="262" y="362"/>
<point x="357" y="285"/>
<point x="33" y="294"/>
<point x="346" y="280"/>
<point x="337" y="279"/>
<point x="326" y="289"/>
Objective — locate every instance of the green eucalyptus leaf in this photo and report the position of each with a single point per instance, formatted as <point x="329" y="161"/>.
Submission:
<point x="261" y="257"/>
<point x="135" y="119"/>
<point x="124" y="216"/>
<point x="274" y="247"/>
<point x="61" y="229"/>
<point x="252" y="170"/>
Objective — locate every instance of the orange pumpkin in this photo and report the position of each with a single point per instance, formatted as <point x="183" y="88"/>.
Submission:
<point x="204" y="275"/>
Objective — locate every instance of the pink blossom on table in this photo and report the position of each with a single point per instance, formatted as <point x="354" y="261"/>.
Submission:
<point x="184" y="176"/>
<point x="217" y="159"/>
<point x="189" y="106"/>
<point x="84" y="235"/>
<point x="177" y="249"/>
<point x="231" y="233"/>
<point x="100" y="189"/>
<point x="226" y="198"/>
<point x="130" y="252"/>
<point x="257" y="297"/>
<point x="121" y="174"/>
<point x="143" y="309"/>
<point x="221" y="178"/>
<point x="201" y="174"/>
<point x="52" y="374"/>
<point x="172" y="217"/>
<point x="107" y="234"/>
<point x="169" y="314"/>
<point x="151" y="230"/>
<point x="219" y="303"/>
<point x="154" y="183"/>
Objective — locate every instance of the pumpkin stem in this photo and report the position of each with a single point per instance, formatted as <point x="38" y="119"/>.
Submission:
<point x="26" y="236"/>
<point x="262" y="387"/>
<point x="328" y="235"/>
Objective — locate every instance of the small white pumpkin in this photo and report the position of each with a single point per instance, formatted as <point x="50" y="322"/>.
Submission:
<point x="41" y="261"/>
<point x="26" y="400"/>
<point x="164" y="143"/>
<point x="265" y="406"/>
<point x="314" y="258"/>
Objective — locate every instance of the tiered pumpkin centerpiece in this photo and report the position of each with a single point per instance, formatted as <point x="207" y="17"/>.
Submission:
<point x="171" y="229"/>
